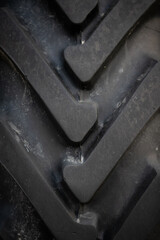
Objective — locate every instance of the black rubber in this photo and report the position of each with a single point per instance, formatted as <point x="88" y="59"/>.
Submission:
<point x="80" y="120"/>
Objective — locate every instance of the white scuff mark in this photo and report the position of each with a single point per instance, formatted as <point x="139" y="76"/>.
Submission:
<point x="82" y="159"/>
<point x="98" y="92"/>
<point x="45" y="53"/>
<point x="82" y="42"/>
<point x="140" y="78"/>
<point x="102" y="14"/>
<point x="101" y="124"/>
<point x="121" y="70"/>
<point x="152" y="160"/>
<point x="124" y="100"/>
<point x="118" y="104"/>
<point x="58" y="68"/>
<point x="38" y="150"/>
<point x="92" y="94"/>
<point x="78" y="220"/>
<point x="26" y="145"/>
<point x="17" y="138"/>
<point x="156" y="148"/>
<point x="70" y="159"/>
<point x="14" y="128"/>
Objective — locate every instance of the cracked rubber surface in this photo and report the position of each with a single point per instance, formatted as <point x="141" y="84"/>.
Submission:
<point x="80" y="119"/>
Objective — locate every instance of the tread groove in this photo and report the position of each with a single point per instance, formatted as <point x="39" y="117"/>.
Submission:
<point x="86" y="59"/>
<point x="61" y="104"/>
<point x="84" y="179"/>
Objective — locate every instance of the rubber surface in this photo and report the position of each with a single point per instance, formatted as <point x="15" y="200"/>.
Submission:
<point x="79" y="117"/>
